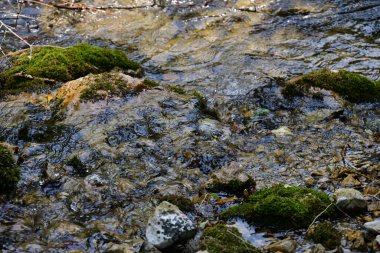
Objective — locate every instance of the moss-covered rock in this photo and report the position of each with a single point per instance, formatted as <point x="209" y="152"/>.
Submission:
<point x="112" y="84"/>
<point x="47" y="65"/>
<point x="283" y="206"/>
<point x="325" y="234"/>
<point x="351" y="86"/>
<point x="9" y="172"/>
<point x="184" y="204"/>
<point x="223" y="239"/>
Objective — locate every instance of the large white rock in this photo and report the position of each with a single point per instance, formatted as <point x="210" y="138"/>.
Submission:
<point x="373" y="226"/>
<point x="350" y="200"/>
<point x="168" y="225"/>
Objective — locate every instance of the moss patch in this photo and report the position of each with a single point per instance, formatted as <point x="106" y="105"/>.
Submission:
<point x="9" y="172"/>
<point x="288" y="207"/>
<point x="60" y="65"/>
<point x="184" y="204"/>
<point x="325" y="234"/>
<point x="104" y="85"/>
<point x="150" y="83"/>
<point x="351" y="86"/>
<point x="223" y="239"/>
<point x="176" y="89"/>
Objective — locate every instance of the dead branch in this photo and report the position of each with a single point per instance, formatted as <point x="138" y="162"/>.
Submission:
<point x="30" y="77"/>
<point x="80" y="7"/>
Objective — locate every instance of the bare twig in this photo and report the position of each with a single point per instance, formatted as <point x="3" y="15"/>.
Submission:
<point x="9" y="29"/>
<point x="319" y="215"/>
<point x="30" y="77"/>
<point x="245" y="243"/>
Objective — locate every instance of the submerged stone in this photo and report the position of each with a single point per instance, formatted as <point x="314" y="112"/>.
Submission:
<point x="223" y="239"/>
<point x="283" y="206"/>
<point x="287" y="246"/>
<point x="231" y="179"/>
<point x="168" y="225"/>
<point x="351" y="86"/>
<point x="184" y="204"/>
<point x="9" y="172"/>
<point x="48" y="65"/>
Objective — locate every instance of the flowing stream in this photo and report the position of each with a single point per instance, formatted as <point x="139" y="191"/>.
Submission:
<point x="237" y="53"/>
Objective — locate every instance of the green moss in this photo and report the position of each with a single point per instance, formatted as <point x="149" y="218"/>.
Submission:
<point x="103" y="85"/>
<point x="183" y="203"/>
<point x="9" y="172"/>
<point x="223" y="239"/>
<point x="325" y="234"/>
<point x="289" y="207"/>
<point x="176" y="89"/>
<point x="150" y="83"/>
<point x="351" y="86"/>
<point x="60" y="65"/>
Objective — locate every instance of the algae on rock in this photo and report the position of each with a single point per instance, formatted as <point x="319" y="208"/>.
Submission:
<point x="351" y="86"/>
<point x="325" y="234"/>
<point x="49" y="64"/>
<point x="223" y="239"/>
<point x="9" y="172"/>
<point x="283" y="206"/>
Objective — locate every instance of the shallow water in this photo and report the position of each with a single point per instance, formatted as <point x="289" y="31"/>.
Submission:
<point x="140" y="147"/>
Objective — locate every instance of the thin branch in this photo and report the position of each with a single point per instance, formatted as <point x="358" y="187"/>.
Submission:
<point x="319" y="215"/>
<point x="9" y="29"/>
<point x="30" y="77"/>
<point x="245" y="243"/>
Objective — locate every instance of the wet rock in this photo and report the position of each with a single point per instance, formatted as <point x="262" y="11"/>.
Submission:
<point x="61" y="229"/>
<point x="231" y="179"/>
<point x="318" y="248"/>
<point x="371" y="190"/>
<point x="94" y="180"/>
<point x="373" y="226"/>
<point x="375" y="206"/>
<point x="376" y="243"/>
<point x="350" y="200"/>
<point x="357" y="239"/>
<point x="53" y="173"/>
<point x="209" y="128"/>
<point x="350" y="181"/>
<point x="282" y="131"/>
<point x="184" y="204"/>
<point x="168" y="225"/>
<point x="286" y="246"/>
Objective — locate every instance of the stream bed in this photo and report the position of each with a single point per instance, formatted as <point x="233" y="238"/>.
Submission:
<point x="135" y="149"/>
